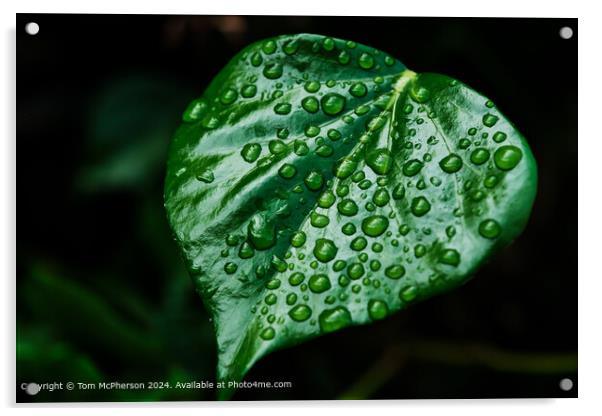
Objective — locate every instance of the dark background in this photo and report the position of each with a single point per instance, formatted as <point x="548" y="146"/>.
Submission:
<point x="102" y="294"/>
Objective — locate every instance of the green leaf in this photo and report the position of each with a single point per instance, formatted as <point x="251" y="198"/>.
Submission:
<point x="319" y="183"/>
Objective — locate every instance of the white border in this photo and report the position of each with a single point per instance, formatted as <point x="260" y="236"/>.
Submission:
<point x="590" y="189"/>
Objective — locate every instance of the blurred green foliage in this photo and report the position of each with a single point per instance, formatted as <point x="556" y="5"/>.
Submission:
<point x="97" y="325"/>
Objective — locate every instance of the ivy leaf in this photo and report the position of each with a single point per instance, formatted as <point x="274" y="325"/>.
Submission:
<point x="319" y="184"/>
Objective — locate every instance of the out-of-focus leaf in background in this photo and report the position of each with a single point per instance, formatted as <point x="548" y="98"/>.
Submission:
<point x="128" y="122"/>
<point x="101" y="324"/>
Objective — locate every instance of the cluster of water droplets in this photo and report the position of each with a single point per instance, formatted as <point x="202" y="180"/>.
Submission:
<point x="369" y="204"/>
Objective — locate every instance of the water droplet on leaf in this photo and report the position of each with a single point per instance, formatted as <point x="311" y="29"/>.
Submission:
<point x="380" y="161"/>
<point x="375" y="225"/>
<point x="319" y="283"/>
<point x="325" y="250"/>
<point x="300" y="313"/>
<point x="451" y="163"/>
<point x="366" y="61"/>
<point x="272" y="70"/>
<point x="490" y="228"/>
<point x="334" y="319"/>
<point x="310" y="104"/>
<point x="420" y="206"/>
<point x="377" y="309"/>
<point x="507" y="157"/>
<point x="332" y="103"/>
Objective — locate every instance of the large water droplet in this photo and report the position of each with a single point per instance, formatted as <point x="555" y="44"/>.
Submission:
<point x="300" y="313"/>
<point x="332" y="103"/>
<point x="312" y="131"/>
<point x="419" y="93"/>
<point x="375" y="225"/>
<point x="334" y="319"/>
<point x="451" y="163"/>
<point x="300" y="148"/>
<point x="490" y="228"/>
<point x="319" y="283"/>
<point x="261" y="232"/>
<point x="489" y="120"/>
<point x="358" y="89"/>
<point x="210" y="122"/>
<point x="276" y="147"/>
<point x="377" y="309"/>
<point x="395" y="271"/>
<point x="271" y="299"/>
<point x="420" y="206"/>
<point x="324" y="151"/>
<point x="282" y="108"/>
<point x="326" y="199"/>
<point x="267" y="333"/>
<point x="376" y="123"/>
<point x="348" y="229"/>
<point x="296" y="279"/>
<point x="298" y="239"/>
<point x="347" y="207"/>
<point x="314" y="180"/>
<point x="232" y="240"/>
<point x="355" y="270"/>
<point x="328" y="44"/>
<point x="291" y="298"/>
<point x="412" y="167"/>
<point x="359" y="243"/>
<point x="344" y="57"/>
<point x="312" y="86"/>
<point x="450" y="256"/>
<point x="246" y="251"/>
<point x="271" y="284"/>
<point x="287" y="171"/>
<point x="507" y="157"/>
<point x="282" y="133"/>
<point x="499" y="136"/>
<point x="325" y="250"/>
<point x="408" y="293"/>
<point x="380" y="197"/>
<point x="228" y="96"/>
<point x="256" y="59"/>
<point x="490" y="181"/>
<point x="380" y="161"/>
<point x="479" y="156"/>
<point x="399" y="192"/>
<point x="344" y="168"/>
<point x="272" y="70"/>
<point x="195" y="111"/>
<point x="230" y="268"/>
<point x="290" y="47"/>
<point x="318" y="220"/>
<point x="310" y="104"/>
<point x="366" y="60"/>
<point x="248" y="91"/>
<point x="419" y="250"/>
<point x="334" y="135"/>
<point x="279" y="264"/>
<point x="269" y="47"/>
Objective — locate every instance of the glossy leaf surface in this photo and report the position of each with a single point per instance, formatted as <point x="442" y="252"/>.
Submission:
<point x="319" y="183"/>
